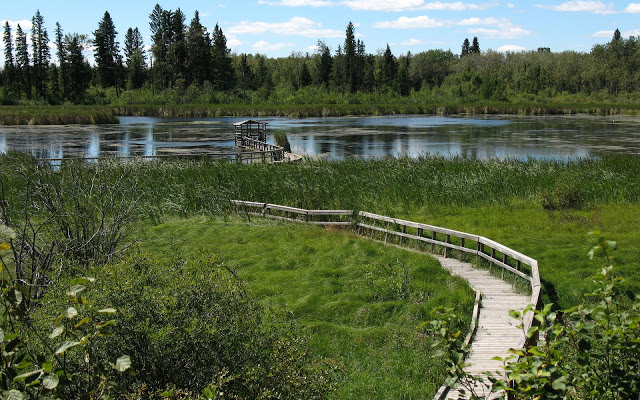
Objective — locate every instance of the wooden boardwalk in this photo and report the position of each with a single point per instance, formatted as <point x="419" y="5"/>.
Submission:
<point x="497" y="332"/>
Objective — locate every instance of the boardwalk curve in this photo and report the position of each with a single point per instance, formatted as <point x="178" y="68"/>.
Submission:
<point x="496" y="331"/>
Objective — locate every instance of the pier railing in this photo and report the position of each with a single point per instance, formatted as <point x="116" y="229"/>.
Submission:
<point x="431" y="238"/>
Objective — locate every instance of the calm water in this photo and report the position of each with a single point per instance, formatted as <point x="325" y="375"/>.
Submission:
<point x="503" y="136"/>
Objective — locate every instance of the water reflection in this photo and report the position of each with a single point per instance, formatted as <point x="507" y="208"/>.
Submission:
<point x="410" y="135"/>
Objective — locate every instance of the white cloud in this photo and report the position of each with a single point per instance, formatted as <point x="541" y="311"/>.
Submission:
<point x="512" y="32"/>
<point x="414" y="5"/>
<point x="413" y="23"/>
<point x="233" y="41"/>
<point x="609" y="34"/>
<point x="24" y="24"/>
<point x="632" y="8"/>
<point x="411" y="42"/>
<point x="265" y="46"/>
<point x="500" y="28"/>
<point x="510" y="48"/>
<point x="297" y="3"/>
<point x="511" y="5"/>
<point x="296" y="26"/>
<point x="596" y="7"/>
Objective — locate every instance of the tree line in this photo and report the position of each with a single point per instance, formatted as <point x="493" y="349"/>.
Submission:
<point x="186" y="58"/>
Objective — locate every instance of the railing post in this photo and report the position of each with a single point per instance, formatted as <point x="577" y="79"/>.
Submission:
<point x="433" y="237"/>
<point x="461" y="245"/>
<point x="446" y="249"/>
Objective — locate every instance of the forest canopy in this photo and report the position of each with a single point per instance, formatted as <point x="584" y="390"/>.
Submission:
<point x="195" y="65"/>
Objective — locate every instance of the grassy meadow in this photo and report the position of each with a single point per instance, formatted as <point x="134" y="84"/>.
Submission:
<point x="350" y="295"/>
<point x="359" y="302"/>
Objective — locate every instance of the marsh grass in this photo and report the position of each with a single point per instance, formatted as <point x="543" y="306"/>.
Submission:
<point x="345" y="106"/>
<point x="359" y="301"/>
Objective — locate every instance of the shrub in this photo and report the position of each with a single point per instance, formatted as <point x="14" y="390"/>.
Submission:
<point x="190" y="327"/>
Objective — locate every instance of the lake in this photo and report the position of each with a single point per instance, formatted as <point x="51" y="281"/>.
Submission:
<point x="555" y="137"/>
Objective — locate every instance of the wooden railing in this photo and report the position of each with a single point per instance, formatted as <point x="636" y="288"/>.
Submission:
<point x="276" y="152"/>
<point x="434" y="238"/>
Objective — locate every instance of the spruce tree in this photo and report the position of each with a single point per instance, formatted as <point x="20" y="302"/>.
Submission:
<point x="324" y="64"/>
<point x="475" y="47"/>
<point x="78" y="71"/>
<point x="9" y="63"/>
<point x="350" y="77"/>
<point x="388" y="68"/>
<point x="466" y="48"/>
<point x="107" y="52"/>
<point x="23" y="68"/>
<point x="223" y="76"/>
<point x="177" y="49"/>
<point x="61" y="52"/>
<point x="198" y="51"/>
<point x="134" y="58"/>
<point x="41" y="54"/>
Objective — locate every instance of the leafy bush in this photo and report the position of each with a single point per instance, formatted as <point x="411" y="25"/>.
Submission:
<point x="190" y="327"/>
<point x="565" y="194"/>
<point x="36" y="365"/>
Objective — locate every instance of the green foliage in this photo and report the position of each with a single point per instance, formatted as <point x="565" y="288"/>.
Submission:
<point x="565" y="194"/>
<point x="35" y="365"/>
<point x="190" y="326"/>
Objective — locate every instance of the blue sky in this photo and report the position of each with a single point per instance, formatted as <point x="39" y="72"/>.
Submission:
<point x="280" y="27"/>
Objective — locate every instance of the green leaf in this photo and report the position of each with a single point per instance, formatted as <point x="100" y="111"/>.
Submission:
<point x="5" y="246"/>
<point x="12" y="395"/>
<point x="66" y="345"/>
<point x="70" y="312"/>
<point x="82" y="322"/>
<point x="82" y="281"/>
<point x="75" y="290"/>
<point x="50" y="382"/>
<point x="47" y="366"/>
<point x="1" y="335"/>
<point x="23" y="377"/>
<point x="108" y="311"/>
<point x="612" y="245"/>
<point x="123" y="363"/>
<point x="57" y="331"/>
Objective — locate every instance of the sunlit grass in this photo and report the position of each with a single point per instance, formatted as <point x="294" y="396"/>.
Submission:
<point x="345" y="291"/>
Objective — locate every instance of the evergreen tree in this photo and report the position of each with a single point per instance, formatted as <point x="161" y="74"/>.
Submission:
<point x="134" y="58"/>
<point x="466" y="48"/>
<point x="41" y="54"/>
<point x="388" y="68"/>
<point x="107" y="52"/>
<point x="403" y="82"/>
<point x="23" y="68"/>
<point x="161" y="35"/>
<point x="199" y="52"/>
<point x="305" y="75"/>
<point x="339" y="70"/>
<point x="359" y="66"/>
<point x="617" y="35"/>
<point x="263" y="78"/>
<point x="223" y="76"/>
<point x="324" y="64"/>
<point x="475" y="47"/>
<point x="177" y="49"/>
<point x="61" y="52"/>
<point x="79" y="71"/>
<point x="9" y="62"/>
<point x="245" y="74"/>
<point x="350" y="65"/>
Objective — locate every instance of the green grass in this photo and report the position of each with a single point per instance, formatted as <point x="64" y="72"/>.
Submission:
<point x="345" y="291"/>
<point x="559" y="240"/>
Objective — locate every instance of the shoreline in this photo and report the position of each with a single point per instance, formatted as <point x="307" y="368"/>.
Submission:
<point x="100" y="115"/>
